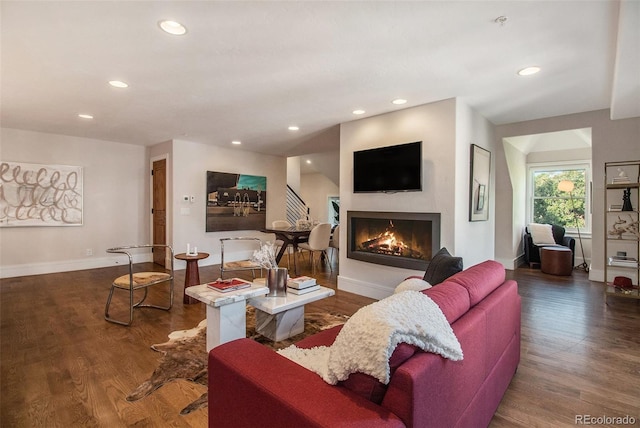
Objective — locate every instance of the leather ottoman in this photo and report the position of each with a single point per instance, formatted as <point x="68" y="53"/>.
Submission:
<point x="556" y="260"/>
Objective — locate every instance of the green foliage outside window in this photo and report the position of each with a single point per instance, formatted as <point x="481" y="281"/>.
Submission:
<point x="552" y="206"/>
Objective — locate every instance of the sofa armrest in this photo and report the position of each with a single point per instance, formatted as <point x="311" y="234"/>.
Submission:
<point x="251" y="385"/>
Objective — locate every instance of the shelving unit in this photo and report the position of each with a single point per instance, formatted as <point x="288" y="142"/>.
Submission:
<point x="622" y="229"/>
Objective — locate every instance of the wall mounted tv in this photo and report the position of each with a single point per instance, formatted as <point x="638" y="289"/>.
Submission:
<point x="388" y="169"/>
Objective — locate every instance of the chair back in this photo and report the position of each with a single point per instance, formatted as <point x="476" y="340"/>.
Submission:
<point x="335" y="240"/>
<point x="320" y="236"/>
<point x="281" y="224"/>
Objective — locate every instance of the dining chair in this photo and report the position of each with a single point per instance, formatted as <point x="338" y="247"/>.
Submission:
<point x="282" y="224"/>
<point x="318" y="242"/>
<point x="334" y="243"/>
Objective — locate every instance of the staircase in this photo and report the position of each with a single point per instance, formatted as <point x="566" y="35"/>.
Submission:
<point x="296" y="208"/>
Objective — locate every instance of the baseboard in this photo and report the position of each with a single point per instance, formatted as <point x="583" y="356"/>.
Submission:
<point x="69" y="265"/>
<point x="367" y="289"/>
<point x="512" y="264"/>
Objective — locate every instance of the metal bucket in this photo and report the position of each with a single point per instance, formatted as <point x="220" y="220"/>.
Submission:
<point x="277" y="282"/>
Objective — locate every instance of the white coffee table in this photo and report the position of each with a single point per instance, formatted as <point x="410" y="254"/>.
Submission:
<point x="226" y="312"/>
<point x="279" y="318"/>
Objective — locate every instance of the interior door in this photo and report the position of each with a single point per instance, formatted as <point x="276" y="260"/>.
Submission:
<point x="159" y="208"/>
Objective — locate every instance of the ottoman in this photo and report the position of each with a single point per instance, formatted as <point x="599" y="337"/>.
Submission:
<point x="556" y="260"/>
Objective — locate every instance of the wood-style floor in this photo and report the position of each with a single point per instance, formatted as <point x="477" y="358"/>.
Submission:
<point x="62" y="365"/>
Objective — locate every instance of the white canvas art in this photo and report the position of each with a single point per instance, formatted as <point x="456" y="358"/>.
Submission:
<point x="40" y="195"/>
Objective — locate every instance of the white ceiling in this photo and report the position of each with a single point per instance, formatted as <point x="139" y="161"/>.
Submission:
<point x="247" y="70"/>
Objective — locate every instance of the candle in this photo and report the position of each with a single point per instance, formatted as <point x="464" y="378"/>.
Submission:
<point x="188" y="249"/>
<point x="195" y="251"/>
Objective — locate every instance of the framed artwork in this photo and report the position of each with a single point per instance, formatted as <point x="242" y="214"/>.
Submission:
<point x="479" y="184"/>
<point x="235" y="202"/>
<point x="40" y="195"/>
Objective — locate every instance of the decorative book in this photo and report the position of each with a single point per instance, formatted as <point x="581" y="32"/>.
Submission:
<point x="301" y="282"/>
<point x="303" y="290"/>
<point x="225" y="285"/>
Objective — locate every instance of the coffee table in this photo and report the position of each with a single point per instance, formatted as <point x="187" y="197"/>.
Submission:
<point x="280" y="318"/>
<point x="226" y="312"/>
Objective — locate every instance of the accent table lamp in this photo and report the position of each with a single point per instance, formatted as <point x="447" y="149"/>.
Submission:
<point x="568" y="186"/>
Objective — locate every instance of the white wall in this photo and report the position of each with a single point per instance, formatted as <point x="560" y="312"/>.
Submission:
<point x="293" y="173"/>
<point x="434" y="125"/>
<point x="513" y="180"/>
<point x="474" y="241"/>
<point x="612" y="140"/>
<point x="190" y="163"/>
<point x="315" y="190"/>
<point x="115" y="204"/>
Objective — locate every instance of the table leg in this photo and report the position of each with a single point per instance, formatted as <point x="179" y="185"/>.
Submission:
<point x="282" y="325"/>
<point x="192" y="277"/>
<point x="226" y="323"/>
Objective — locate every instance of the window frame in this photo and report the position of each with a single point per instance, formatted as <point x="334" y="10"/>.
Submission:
<point x="560" y="166"/>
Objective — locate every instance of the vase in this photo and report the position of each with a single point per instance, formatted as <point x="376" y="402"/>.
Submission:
<point x="277" y="282"/>
<point x="626" y="200"/>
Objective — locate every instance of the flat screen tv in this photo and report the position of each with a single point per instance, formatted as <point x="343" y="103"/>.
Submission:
<point x="388" y="169"/>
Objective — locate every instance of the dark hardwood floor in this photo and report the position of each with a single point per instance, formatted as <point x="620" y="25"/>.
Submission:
<point x="62" y="365"/>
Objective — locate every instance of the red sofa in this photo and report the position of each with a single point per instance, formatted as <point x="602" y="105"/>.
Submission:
<point x="250" y="385"/>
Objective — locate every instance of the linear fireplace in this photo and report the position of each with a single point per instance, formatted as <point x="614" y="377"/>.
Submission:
<point x="400" y="239"/>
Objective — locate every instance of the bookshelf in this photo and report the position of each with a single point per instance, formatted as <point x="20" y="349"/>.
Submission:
<point x="622" y="231"/>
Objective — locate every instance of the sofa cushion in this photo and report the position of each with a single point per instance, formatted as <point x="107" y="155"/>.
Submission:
<point x="442" y="266"/>
<point x="452" y="298"/>
<point x="412" y="283"/>
<point x="480" y="280"/>
<point x="362" y="384"/>
<point x="371" y="388"/>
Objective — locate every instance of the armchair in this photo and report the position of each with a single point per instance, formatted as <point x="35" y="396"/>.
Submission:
<point x="532" y="251"/>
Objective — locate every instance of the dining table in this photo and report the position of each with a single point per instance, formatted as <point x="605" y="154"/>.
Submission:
<point x="289" y="236"/>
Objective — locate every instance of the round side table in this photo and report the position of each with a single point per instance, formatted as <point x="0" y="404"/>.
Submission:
<point x="192" y="275"/>
<point x="556" y="260"/>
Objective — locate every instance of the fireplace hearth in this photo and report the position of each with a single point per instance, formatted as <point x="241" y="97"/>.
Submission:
<point x="400" y="239"/>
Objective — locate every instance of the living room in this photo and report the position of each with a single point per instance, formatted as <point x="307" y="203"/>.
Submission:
<point x="117" y="185"/>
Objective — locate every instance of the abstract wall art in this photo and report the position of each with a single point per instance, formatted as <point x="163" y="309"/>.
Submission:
<point x="40" y="195"/>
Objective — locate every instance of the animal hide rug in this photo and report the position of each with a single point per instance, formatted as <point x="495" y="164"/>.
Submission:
<point x="184" y="356"/>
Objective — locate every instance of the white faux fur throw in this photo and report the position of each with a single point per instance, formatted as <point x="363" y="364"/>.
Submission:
<point x="370" y="336"/>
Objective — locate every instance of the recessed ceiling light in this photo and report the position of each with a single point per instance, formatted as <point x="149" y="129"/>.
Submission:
<point x="399" y="101"/>
<point x="236" y="142"/>
<point x="85" y="116"/>
<point x="358" y="111"/>
<point x="309" y="161"/>
<point x="173" y="27"/>
<point x="293" y="128"/>
<point x="529" y="71"/>
<point x="118" y="84"/>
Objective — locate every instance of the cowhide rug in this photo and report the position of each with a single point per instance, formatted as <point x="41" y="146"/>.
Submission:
<point x="184" y="356"/>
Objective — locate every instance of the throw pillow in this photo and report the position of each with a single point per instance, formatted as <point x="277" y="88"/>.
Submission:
<point x="541" y="234"/>
<point x="442" y="266"/>
<point x="412" y="284"/>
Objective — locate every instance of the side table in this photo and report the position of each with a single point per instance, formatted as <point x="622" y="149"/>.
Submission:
<point x="556" y="260"/>
<point x="192" y="275"/>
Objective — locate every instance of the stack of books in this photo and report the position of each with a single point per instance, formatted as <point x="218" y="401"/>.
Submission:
<point x="226" y="285"/>
<point x="302" y="285"/>
<point x="620" y="180"/>
<point x="623" y="261"/>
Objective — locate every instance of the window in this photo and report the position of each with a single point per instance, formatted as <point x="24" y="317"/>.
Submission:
<point x="549" y="205"/>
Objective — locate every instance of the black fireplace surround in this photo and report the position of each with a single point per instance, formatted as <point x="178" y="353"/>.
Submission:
<point x="401" y="239"/>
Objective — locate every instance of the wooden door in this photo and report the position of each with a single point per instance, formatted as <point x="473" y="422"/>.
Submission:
<point x="159" y="208"/>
